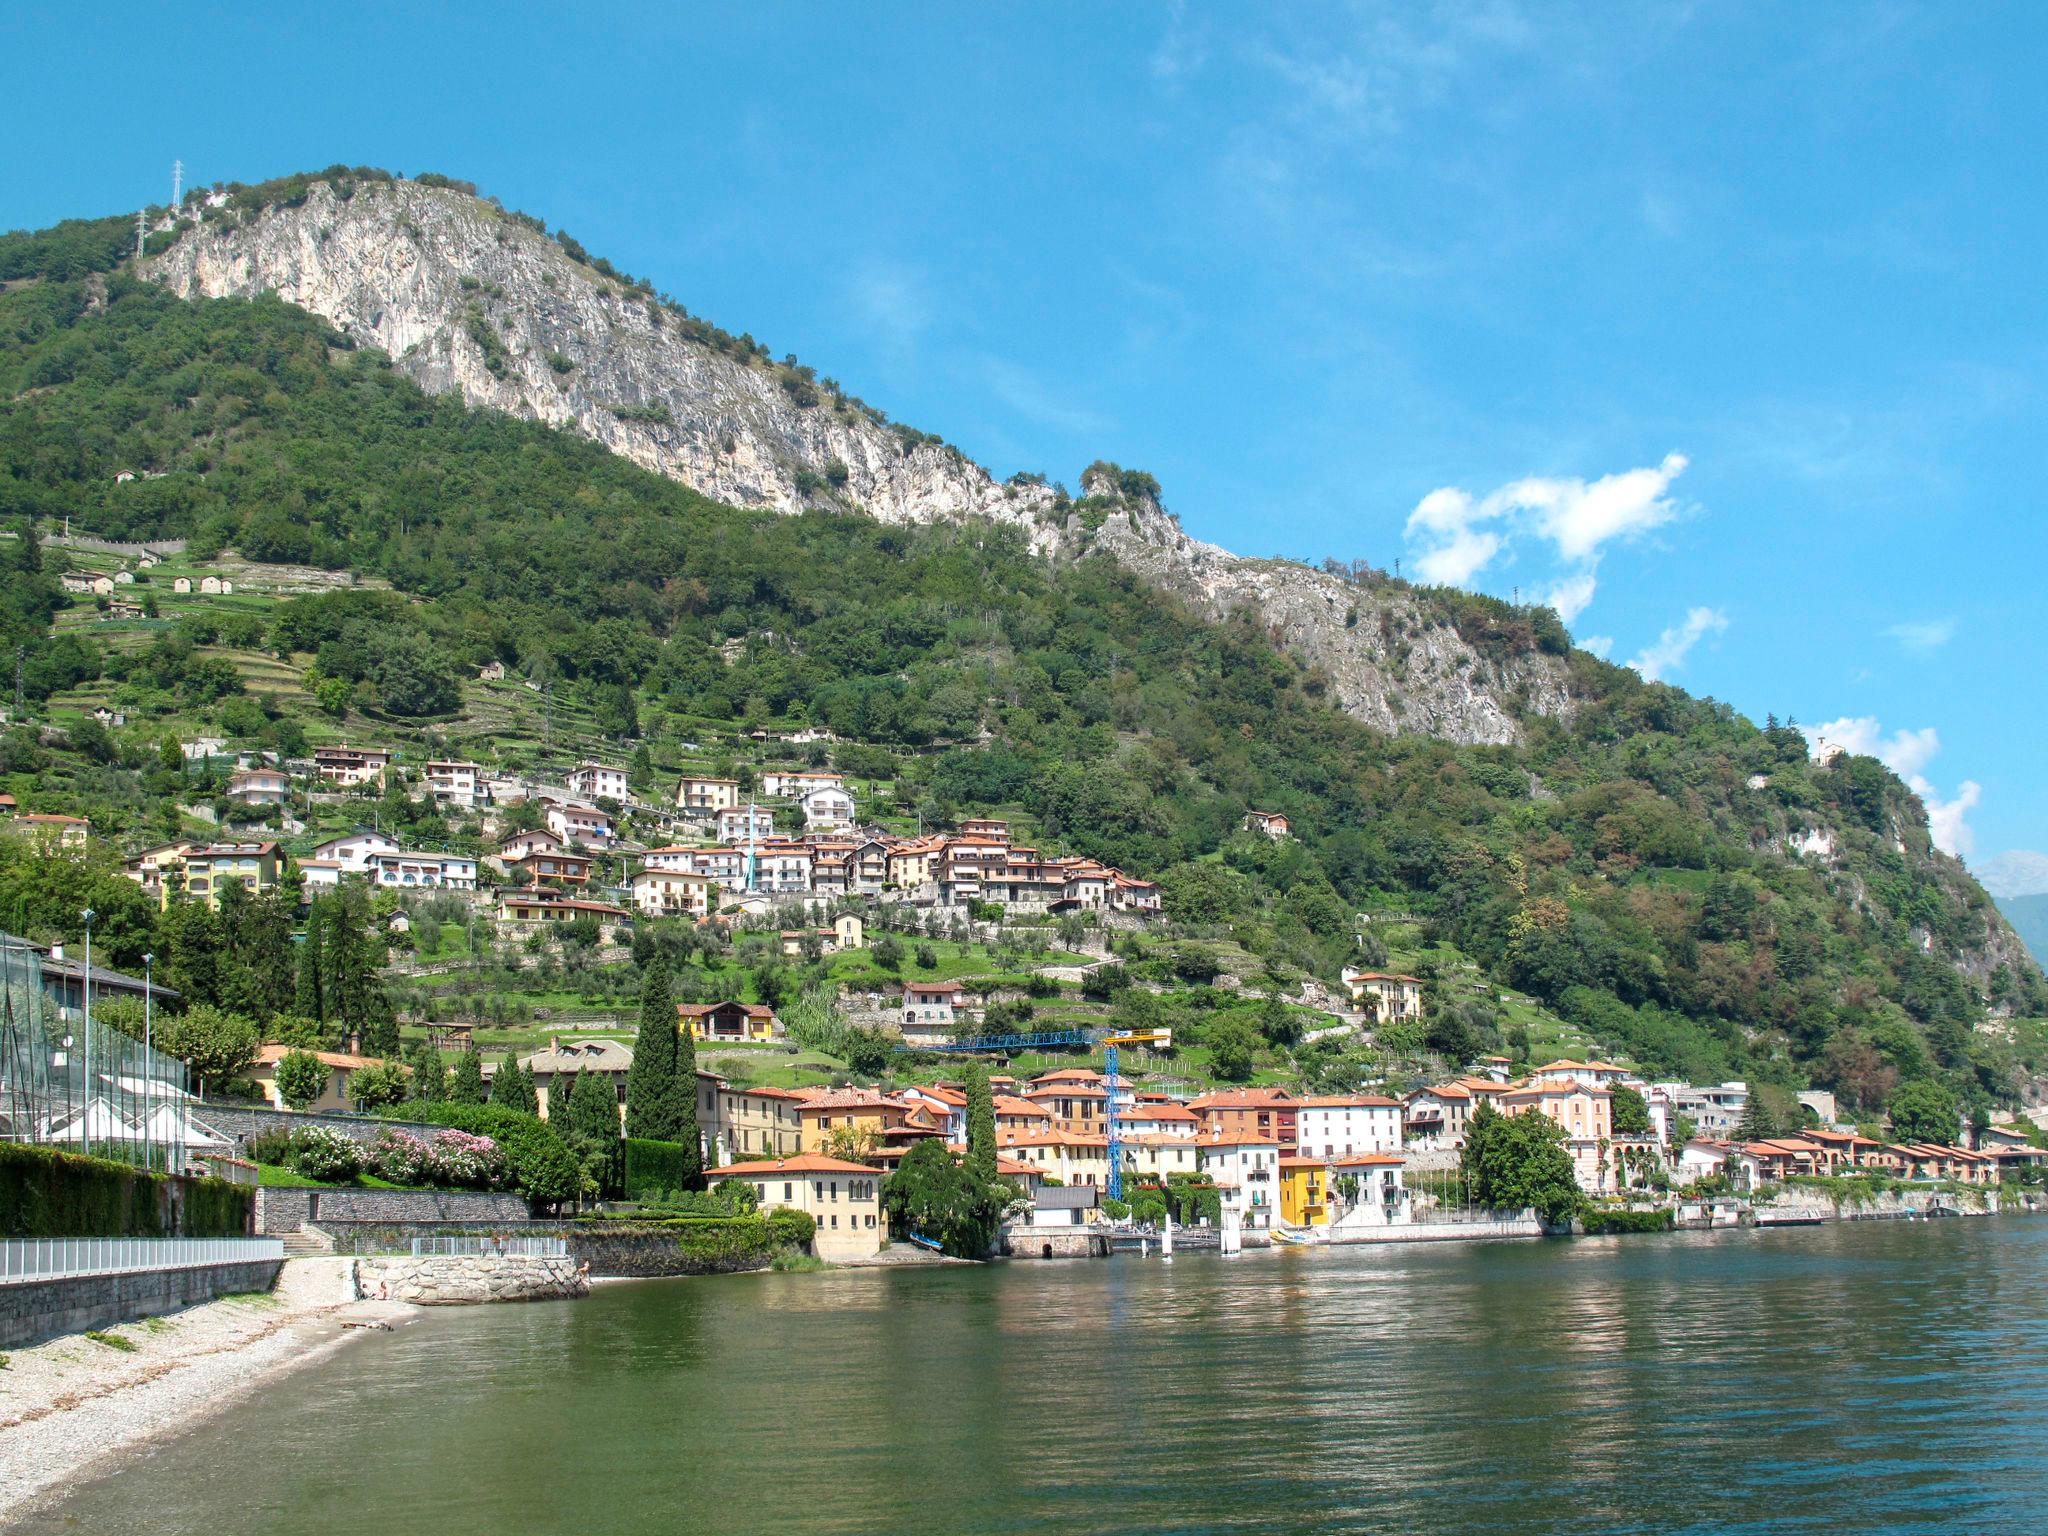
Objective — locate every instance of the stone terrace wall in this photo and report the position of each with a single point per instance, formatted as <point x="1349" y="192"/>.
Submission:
<point x="287" y="1210"/>
<point x="241" y="1121"/>
<point x="46" y="1308"/>
<point x="463" y="1281"/>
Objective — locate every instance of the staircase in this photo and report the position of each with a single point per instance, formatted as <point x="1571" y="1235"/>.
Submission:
<point x="308" y="1243"/>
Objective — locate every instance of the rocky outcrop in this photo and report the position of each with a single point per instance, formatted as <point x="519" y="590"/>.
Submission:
<point x="468" y="299"/>
<point x="467" y="1280"/>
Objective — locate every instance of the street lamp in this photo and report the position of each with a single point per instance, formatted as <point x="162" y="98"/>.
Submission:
<point x="85" y="1123"/>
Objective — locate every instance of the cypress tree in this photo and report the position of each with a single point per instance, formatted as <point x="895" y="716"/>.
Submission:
<point x="512" y="1088"/>
<point x="429" y="1074"/>
<point x="684" y="1114"/>
<point x="650" y="1105"/>
<point x="594" y="1120"/>
<point x="466" y="1086"/>
<point x="981" y="1125"/>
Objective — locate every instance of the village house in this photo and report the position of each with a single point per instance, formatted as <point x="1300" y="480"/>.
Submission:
<point x="564" y="870"/>
<point x="1076" y="1105"/>
<point x="52" y="831"/>
<point x="794" y="783"/>
<point x="597" y="781"/>
<point x="731" y="1021"/>
<point x="208" y="870"/>
<point x="350" y="766"/>
<point x="452" y="782"/>
<point x="1075" y="1158"/>
<point x="517" y="845"/>
<point x="491" y="672"/>
<point x="334" y="1095"/>
<point x="1437" y="1116"/>
<point x="1266" y="1113"/>
<point x="1155" y="1158"/>
<point x="673" y="893"/>
<point x="1245" y="1168"/>
<point x="753" y="1122"/>
<point x="1271" y="823"/>
<point x="584" y="825"/>
<point x="200" y="748"/>
<point x="259" y="786"/>
<point x="1385" y="996"/>
<point x="111" y="718"/>
<point x="1585" y="1114"/>
<point x="563" y="1059"/>
<point x="1149" y="1116"/>
<point x="706" y="797"/>
<point x="154" y="867"/>
<point x="182" y="585"/>
<point x="828" y="808"/>
<point x="422" y="871"/>
<point x="866" y="1112"/>
<point x="317" y="875"/>
<point x="1020" y="1116"/>
<point x="844" y="932"/>
<point x="986" y="829"/>
<point x="830" y="874"/>
<point x="931" y="1010"/>
<point x="844" y="1199"/>
<point x="947" y="1104"/>
<point x="742" y="824"/>
<point x="538" y="908"/>
<point x="1341" y="1125"/>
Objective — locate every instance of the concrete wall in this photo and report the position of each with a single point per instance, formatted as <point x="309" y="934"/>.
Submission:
<point x="467" y="1280"/>
<point x="286" y="1210"/>
<point x="45" y="1308"/>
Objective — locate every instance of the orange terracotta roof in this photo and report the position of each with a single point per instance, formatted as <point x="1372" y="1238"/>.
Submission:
<point x="1372" y="1160"/>
<point x="271" y="1055"/>
<point x="808" y="1162"/>
<point x="1349" y="1101"/>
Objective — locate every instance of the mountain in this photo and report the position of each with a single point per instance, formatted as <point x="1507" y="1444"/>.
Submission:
<point x="466" y="441"/>
<point x="473" y="300"/>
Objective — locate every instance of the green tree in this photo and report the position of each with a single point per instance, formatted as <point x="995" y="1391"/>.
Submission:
<point x="1758" y="1122"/>
<point x="1512" y="1162"/>
<point x="219" y="1047"/>
<point x="1233" y="1050"/>
<point x="466" y="1083"/>
<point x="301" y="1078"/>
<point x="1923" y="1110"/>
<point x="652" y="1110"/>
<point x="307" y="992"/>
<point x="379" y="1085"/>
<point x="930" y="1196"/>
<point x="429" y="1074"/>
<point x="1631" y="1115"/>
<point x="981" y="1124"/>
<point x="512" y="1088"/>
<point x="594" y="1128"/>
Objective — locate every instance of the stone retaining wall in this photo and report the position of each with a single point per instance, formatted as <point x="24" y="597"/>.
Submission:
<point x="613" y="1253"/>
<point x="241" y="1121"/>
<point x="468" y="1280"/>
<point x="43" y="1309"/>
<point x="286" y="1210"/>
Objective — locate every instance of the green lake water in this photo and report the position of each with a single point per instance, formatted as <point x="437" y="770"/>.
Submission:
<point x="1860" y="1378"/>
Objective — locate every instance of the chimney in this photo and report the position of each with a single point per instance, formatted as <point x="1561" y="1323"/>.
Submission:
<point x="56" y="951"/>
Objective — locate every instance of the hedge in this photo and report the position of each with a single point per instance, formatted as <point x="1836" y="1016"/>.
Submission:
<point x="1600" y="1223"/>
<point x="47" y="1193"/>
<point x="654" y="1168"/>
<point x="544" y="1168"/>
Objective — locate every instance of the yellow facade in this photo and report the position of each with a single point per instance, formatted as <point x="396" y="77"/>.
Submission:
<point x="1304" y="1192"/>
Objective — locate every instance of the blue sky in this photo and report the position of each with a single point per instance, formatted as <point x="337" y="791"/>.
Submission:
<point x="1721" y="323"/>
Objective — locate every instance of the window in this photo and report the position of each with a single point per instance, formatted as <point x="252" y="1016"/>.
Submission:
<point x="786" y="1189"/>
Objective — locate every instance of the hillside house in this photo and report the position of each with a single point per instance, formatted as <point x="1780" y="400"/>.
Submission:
<point x="350" y="766"/>
<point x="182" y="585"/>
<point x="673" y="893"/>
<point x="1585" y="1114"/>
<point x="209" y="869"/>
<point x="985" y="829"/>
<point x="707" y="797"/>
<point x="754" y="1122"/>
<point x="491" y="672"/>
<point x="579" y="824"/>
<point x="783" y="869"/>
<point x="334" y="1094"/>
<point x="795" y="783"/>
<point x="730" y="1021"/>
<point x="453" y="782"/>
<point x="931" y="1010"/>
<point x="259" y="786"/>
<point x="317" y="875"/>
<point x="1343" y="1125"/>
<point x="742" y="824"/>
<point x="1386" y="997"/>
<point x="51" y="831"/>
<point x="1246" y="1169"/>
<point x="353" y="850"/>
<point x="423" y="871"/>
<point x="517" y="845"/>
<point x="1271" y="1114"/>
<point x="153" y="866"/>
<point x="537" y="909"/>
<point x="598" y="781"/>
<point x="546" y="866"/>
<point x="827" y="808"/>
<point x="557" y="1066"/>
<point x="1271" y="823"/>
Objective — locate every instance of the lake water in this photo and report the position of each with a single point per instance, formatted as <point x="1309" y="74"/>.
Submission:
<point x="1863" y="1378"/>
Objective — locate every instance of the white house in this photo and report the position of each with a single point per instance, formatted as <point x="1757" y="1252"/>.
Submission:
<point x="827" y="808"/>
<point x="319" y="874"/>
<point x="457" y="783"/>
<point x="1246" y="1169"/>
<point x="596" y="781"/>
<point x="582" y="824"/>
<point x="1347" y="1125"/>
<point x="737" y="823"/>
<point x="423" y="871"/>
<point x="707" y="796"/>
<point x="931" y="1009"/>
<point x="1389" y="996"/>
<point x="785" y="868"/>
<point x="673" y="893"/>
<point x="352" y="853"/>
<point x="792" y="783"/>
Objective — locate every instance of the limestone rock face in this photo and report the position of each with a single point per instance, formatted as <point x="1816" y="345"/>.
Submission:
<point x="470" y="300"/>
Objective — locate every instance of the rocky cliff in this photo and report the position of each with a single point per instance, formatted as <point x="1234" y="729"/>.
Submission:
<point x="470" y="299"/>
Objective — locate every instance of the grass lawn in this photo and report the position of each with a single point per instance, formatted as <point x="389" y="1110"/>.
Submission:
<point x="270" y="1176"/>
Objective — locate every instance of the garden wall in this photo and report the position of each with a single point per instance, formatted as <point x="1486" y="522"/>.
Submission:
<point x="286" y="1210"/>
<point x="47" y="1308"/>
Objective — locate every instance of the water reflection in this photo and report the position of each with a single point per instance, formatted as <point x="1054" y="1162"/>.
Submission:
<point x="1866" y="1378"/>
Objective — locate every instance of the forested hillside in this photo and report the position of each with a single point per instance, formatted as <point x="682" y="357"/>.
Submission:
<point x="1632" y="866"/>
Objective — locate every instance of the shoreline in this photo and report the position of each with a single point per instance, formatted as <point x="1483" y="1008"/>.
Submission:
<point x="184" y="1368"/>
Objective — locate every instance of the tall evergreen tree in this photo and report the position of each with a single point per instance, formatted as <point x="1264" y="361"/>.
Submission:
<point x="650" y="1081"/>
<point x="429" y="1074"/>
<point x="308" y="999"/>
<point x="981" y="1124"/>
<point x="594" y="1121"/>
<point x="684" y="1115"/>
<point x="466" y="1085"/>
<point x="512" y="1087"/>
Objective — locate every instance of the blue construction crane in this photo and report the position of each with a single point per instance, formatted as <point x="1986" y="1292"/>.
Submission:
<point x="1108" y="1039"/>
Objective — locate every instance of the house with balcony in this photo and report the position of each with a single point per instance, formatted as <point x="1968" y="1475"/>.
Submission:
<point x="422" y="871"/>
<point x="730" y="1021"/>
<point x="707" y="797"/>
<point x="931" y="1010"/>
<point x="598" y="781"/>
<point x="1245" y="1168"/>
<point x="350" y="767"/>
<point x="673" y="893"/>
<point x="259" y="786"/>
<point x="457" y="783"/>
<point x="210" y="869"/>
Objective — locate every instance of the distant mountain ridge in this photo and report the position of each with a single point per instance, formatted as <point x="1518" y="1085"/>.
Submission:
<point x="2020" y="872"/>
<point x="2029" y="918"/>
<point x="473" y="300"/>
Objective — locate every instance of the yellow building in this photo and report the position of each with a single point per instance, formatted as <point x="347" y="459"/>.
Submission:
<point x="757" y="1122"/>
<point x="730" y="1021"/>
<point x="864" y="1111"/>
<point x="845" y="1199"/>
<point x="1304" y="1192"/>
<point x="209" y="870"/>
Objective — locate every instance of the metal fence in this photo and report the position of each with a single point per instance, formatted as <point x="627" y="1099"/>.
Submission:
<point x="66" y="1258"/>
<point x="490" y="1247"/>
<point x="73" y="1082"/>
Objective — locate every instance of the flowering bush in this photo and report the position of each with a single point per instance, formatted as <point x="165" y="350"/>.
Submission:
<point x="452" y="1160"/>
<point x="321" y="1152"/>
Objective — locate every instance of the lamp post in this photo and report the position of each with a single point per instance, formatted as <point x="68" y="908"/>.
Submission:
<point x="85" y="1122"/>
<point x="148" y="1066"/>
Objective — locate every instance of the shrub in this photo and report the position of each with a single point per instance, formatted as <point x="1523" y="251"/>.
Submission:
<point x="321" y="1152"/>
<point x="301" y="1078"/>
<point x="788" y="1228"/>
<point x="45" y="1193"/>
<point x="1600" y="1222"/>
<point x="540" y="1165"/>
<point x="655" y="1167"/>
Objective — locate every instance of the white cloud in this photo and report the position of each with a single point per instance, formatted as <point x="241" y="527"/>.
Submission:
<point x="1600" y="645"/>
<point x="1924" y="635"/>
<point x="1577" y="517"/>
<point x="1676" y="643"/>
<point x="1907" y="753"/>
<point x="1572" y="596"/>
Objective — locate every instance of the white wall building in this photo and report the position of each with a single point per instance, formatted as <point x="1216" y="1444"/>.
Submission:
<point x="826" y="809"/>
<point x="423" y="871"/>
<point x="596" y="781"/>
<point x="1247" y="1173"/>
<point x="354" y="851"/>
<point x="1347" y="1125"/>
